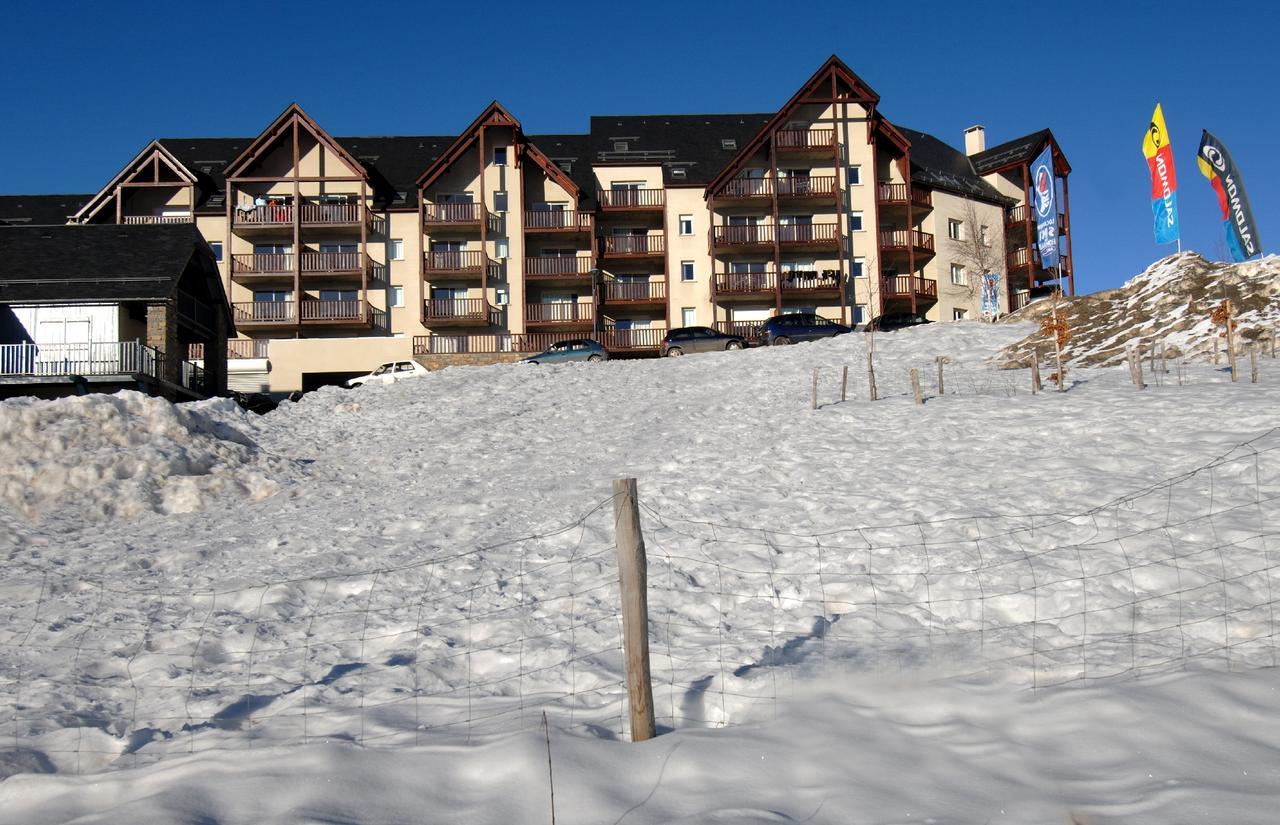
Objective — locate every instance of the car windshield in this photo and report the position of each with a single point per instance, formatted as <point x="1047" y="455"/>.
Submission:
<point x="385" y="368"/>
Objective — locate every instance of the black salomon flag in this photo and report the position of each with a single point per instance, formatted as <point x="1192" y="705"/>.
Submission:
<point x="1216" y="165"/>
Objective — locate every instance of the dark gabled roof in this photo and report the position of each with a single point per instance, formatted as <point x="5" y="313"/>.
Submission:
<point x="99" y="262"/>
<point x="1013" y="152"/>
<point x="206" y="158"/>
<point x="576" y="151"/>
<point x="940" y="166"/>
<point x="690" y="142"/>
<point x="39" y="210"/>
<point x="394" y="164"/>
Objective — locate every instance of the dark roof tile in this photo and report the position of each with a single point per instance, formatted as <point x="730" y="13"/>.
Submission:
<point x="1016" y="151"/>
<point x="39" y="210"/>
<point x="940" y="166"/>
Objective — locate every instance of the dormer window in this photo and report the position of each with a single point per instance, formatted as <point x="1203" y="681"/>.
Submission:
<point x="729" y="144"/>
<point x="678" y="174"/>
<point x="621" y="146"/>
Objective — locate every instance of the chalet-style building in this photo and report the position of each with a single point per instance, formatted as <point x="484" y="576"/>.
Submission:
<point x="102" y="308"/>
<point x="339" y="253"/>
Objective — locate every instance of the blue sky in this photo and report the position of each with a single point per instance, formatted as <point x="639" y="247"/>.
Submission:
<point x="86" y="85"/>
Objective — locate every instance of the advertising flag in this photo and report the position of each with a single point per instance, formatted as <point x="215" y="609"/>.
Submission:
<point x="1216" y="165"/>
<point x="1045" y="196"/>
<point x="1164" y="184"/>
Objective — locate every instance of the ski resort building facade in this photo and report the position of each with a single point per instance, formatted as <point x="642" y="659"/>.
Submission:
<point x="338" y="254"/>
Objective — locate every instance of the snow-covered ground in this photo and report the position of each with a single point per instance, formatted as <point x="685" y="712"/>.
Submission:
<point x="993" y="607"/>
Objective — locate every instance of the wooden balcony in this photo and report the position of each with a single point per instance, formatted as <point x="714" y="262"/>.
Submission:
<point x="440" y="216"/>
<point x="559" y="221"/>
<point x="1020" y="259"/>
<point x="309" y="311"/>
<point x="311" y="214"/>
<point x="635" y="246"/>
<point x="261" y="266"/>
<point x="458" y="312"/>
<point x="799" y="282"/>
<point x="1021" y="215"/>
<point x="644" y="339"/>
<point x="488" y="343"/>
<point x="332" y="215"/>
<point x="88" y="359"/>
<point x="746" y="284"/>
<point x="461" y="264"/>
<point x="902" y="287"/>
<point x="809" y="234"/>
<point x="134" y="220"/>
<point x="237" y="348"/>
<point x="634" y="292"/>
<point x="271" y="216"/>
<point x="900" y="194"/>
<point x="904" y="240"/>
<point x="749" y="330"/>
<point x="804" y="140"/>
<point x="743" y="235"/>
<point x="813" y="186"/>
<point x="263" y="314"/>
<point x="557" y="268"/>
<point x="631" y="200"/>
<point x="576" y="315"/>
<point x="746" y="189"/>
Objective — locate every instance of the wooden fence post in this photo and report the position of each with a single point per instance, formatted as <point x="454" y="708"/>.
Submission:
<point x="941" y="359"/>
<point x="844" y="383"/>
<point x="1035" y="372"/>
<point x="633" y="579"/>
<point x="1253" y="366"/>
<point x="1231" y="340"/>
<point x="915" y="385"/>
<point x="815" y="388"/>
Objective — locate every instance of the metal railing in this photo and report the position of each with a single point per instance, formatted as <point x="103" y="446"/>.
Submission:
<point x="437" y="213"/>
<point x="801" y="139"/>
<point x="902" y="193"/>
<point x="101" y="358"/>
<point x="262" y="312"/>
<point x="558" y="219"/>
<point x="634" y="291"/>
<point x="461" y="261"/>
<point x="157" y="219"/>
<point x="457" y="309"/>
<point x="743" y="234"/>
<point x="799" y="233"/>
<point x="904" y="286"/>
<point x="745" y="282"/>
<point x="903" y="238"/>
<point x="236" y="348"/>
<point x="631" y="198"/>
<point x="332" y="213"/>
<point x="747" y="188"/>
<point x="654" y="243"/>
<point x="807" y="186"/>
<point x="553" y="266"/>
<point x="559" y="313"/>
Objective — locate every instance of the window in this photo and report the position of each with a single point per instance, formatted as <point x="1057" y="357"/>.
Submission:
<point x="959" y="314"/>
<point x="499" y="201"/>
<point x="855" y="221"/>
<point x="854" y="174"/>
<point x="338" y="294"/>
<point x="395" y="249"/>
<point x="686" y="271"/>
<point x="396" y="296"/>
<point x="957" y="275"/>
<point x="621" y="146"/>
<point x="728" y="143"/>
<point x="688" y="316"/>
<point x="859" y="267"/>
<point x="499" y="156"/>
<point x="501" y="249"/>
<point x="272" y="296"/>
<point x="859" y="313"/>
<point x="678" y="174"/>
<point x="686" y="224"/>
<point x="216" y="246"/>
<point x="501" y="297"/>
<point x="983" y="237"/>
<point x="337" y="248"/>
<point x="955" y="230"/>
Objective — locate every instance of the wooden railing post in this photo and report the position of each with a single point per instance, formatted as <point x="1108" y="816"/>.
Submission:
<point x="633" y="576"/>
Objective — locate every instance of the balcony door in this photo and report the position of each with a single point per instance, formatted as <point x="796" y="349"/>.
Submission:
<point x="271" y="304"/>
<point x="747" y="229"/>
<point x="449" y="300"/>
<point x="625" y="193"/>
<point x="559" y="306"/>
<point x="448" y="254"/>
<point x="633" y="239"/>
<point x="337" y="257"/>
<point x="799" y="228"/>
<point x="455" y="206"/>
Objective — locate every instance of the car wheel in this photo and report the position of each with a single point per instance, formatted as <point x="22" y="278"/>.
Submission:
<point x="594" y="358"/>
<point x="674" y="352"/>
<point x="781" y="341"/>
<point x="733" y="345"/>
<point x="531" y="362"/>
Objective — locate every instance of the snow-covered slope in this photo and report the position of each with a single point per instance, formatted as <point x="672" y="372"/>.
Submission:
<point x="861" y="592"/>
<point x="1167" y="304"/>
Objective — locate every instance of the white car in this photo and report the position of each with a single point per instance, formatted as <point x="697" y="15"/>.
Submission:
<point x="390" y="372"/>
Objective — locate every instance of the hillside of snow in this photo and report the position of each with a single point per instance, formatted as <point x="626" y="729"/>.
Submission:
<point x="997" y="606"/>
<point x="1168" y="304"/>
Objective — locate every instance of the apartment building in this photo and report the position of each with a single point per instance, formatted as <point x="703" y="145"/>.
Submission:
<point x="339" y="253"/>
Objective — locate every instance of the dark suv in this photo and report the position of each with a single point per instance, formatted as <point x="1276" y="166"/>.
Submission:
<point x="798" y="326"/>
<point x="698" y="339"/>
<point x="896" y="320"/>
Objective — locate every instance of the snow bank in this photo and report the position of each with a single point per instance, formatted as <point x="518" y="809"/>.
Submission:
<point x="99" y="457"/>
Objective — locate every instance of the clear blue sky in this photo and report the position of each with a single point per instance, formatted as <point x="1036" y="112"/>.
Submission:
<point x="86" y="85"/>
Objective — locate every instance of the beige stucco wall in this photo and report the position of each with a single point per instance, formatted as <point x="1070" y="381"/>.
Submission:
<point x="946" y="207"/>
<point x="289" y="359"/>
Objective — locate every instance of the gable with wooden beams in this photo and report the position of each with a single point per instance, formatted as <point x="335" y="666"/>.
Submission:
<point x="287" y="130"/>
<point x="833" y="83"/>
<point x="154" y="167"/>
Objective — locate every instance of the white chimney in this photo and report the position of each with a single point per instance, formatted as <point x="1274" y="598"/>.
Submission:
<point x="975" y="140"/>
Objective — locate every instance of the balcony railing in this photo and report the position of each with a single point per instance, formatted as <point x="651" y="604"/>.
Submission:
<point x="1019" y="257"/>
<point x="262" y="263"/>
<point x="905" y="238"/>
<point x="635" y="291"/>
<point x="795" y="140"/>
<point x="1021" y="298"/>
<point x="157" y="219"/>
<point x="558" y="220"/>
<point x="263" y="312"/>
<point x="810" y="280"/>
<point x="747" y="329"/>
<point x="901" y="193"/>
<point x="652" y="244"/>
<point x="488" y="343"/>
<point x="450" y="213"/>
<point x="318" y="262"/>
<point x="104" y="358"/>
<point x="748" y="188"/>
<point x="904" y="286"/>
<point x="630" y="340"/>
<point x="743" y="235"/>
<point x="317" y="310"/>
<point x="1021" y="214"/>
<point x="554" y="266"/>
<point x="268" y="215"/>
<point x="236" y="348"/>
<point x="475" y="310"/>
<point x="332" y="213"/>
<point x="806" y="233"/>
<point x="744" y="283"/>
<point x="455" y="262"/>
<point x="562" y="313"/>
<point x="819" y="186"/>
<point x="631" y="198"/>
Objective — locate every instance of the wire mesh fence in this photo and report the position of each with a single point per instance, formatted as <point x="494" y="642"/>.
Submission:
<point x="1177" y="574"/>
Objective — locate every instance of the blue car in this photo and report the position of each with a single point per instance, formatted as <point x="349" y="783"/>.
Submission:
<point x="798" y="326"/>
<point x="579" y="349"/>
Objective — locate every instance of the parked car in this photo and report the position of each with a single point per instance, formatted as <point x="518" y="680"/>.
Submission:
<point x="896" y="320"/>
<point x="698" y="339"/>
<point x="798" y="326"/>
<point x="390" y="372"/>
<point x="255" y="402"/>
<point x="578" y="349"/>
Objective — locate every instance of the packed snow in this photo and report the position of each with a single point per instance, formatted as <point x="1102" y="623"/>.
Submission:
<point x="997" y="606"/>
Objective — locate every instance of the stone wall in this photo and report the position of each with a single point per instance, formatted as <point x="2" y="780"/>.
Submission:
<point x="162" y="333"/>
<point x="470" y="359"/>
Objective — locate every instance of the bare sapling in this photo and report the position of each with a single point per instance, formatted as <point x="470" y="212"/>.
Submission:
<point x="1223" y="315"/>
<point x="1056" y="327"/>
<point x="871" y="367"/>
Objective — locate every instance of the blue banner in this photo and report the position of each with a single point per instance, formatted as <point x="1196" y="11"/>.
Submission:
<point x="1045" y="196"/>
<point x="990" y="294"/>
